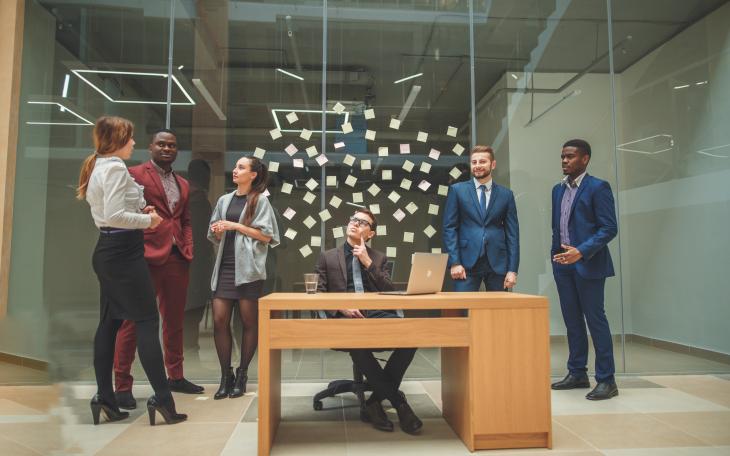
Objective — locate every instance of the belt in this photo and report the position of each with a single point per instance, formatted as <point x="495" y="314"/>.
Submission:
<point x="110" y="230"/>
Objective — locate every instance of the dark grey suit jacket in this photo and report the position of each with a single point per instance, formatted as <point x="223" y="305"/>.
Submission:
<point x="333" y="272"/>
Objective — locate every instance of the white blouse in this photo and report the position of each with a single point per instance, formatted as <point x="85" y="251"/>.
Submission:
<point x="116" y="200"/>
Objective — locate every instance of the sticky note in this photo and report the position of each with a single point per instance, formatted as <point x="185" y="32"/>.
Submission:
<point x="394" y="197"/>
<point x="408" y="165"/>
<point x="351" y="180"/>
<point x="309" y="222"/>
<point x="290" y="233"/>
<point x="325" y="215"/>
<point x="425" y="167"/>
<point x="312" y="151"/>
<point x="273" y="166"/>
<point x="331" y="181"/>
<point x="443" y="190"/>
<point x="455" y="172"/>
<point x="370" y="135"/>
<point x="311" y="184"/>
<point x="298" y="163"/>
<point x="394" y="124"/>
<point x="339" y="108"/>
<point x="267" y="193"/>
<point x="381" y="230"/>
<point x="458" y="149"/>
<point x="357" y="197"/>
<point x="405" y="148"/>
<point x="399" y="215"/>
<point x="407" y="236"/>
<point x="259" y="152"/>
<point x="349" y="160"/>
<point x="309" y="197"/>
<point x="406" y="184"/>
<point x="436" y="250"/>
<point x="365" y="165"/>
<point x="374" y="189"/>
<point x="411" y="208"/>
<point x="424" y="185"/>
<point x="422" y="136"/>
<point x="289" y="213"/>
<point x="339" y="145"/>
<point x="305" y="134"/>
<point x="346" y="128"/>
<point x="275" y="133"/>
<point x="291" y="149"/>
<point x="382" y="151"/>
<point x="286" y="188"/>
<point x="335" y="202"/>
<point x="451" y="131"/>
<point x="387" y="174"/>
<point x="429" y="231"/>
<point x="390" y="252"/>
<point x="316" y="241"/>
<point x="375" y="208"/>
<point x="321" y="160"/>
<point x="338" y="232"/>
<point x="292" y="117"/>
<point x="369" y="113"/>
<point x="433" y="209"/>
<point x="305" y="251"/>
<point x="434" y="154"/>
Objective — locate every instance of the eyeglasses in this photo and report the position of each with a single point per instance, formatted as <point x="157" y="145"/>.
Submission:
<point x="360" y="222"/>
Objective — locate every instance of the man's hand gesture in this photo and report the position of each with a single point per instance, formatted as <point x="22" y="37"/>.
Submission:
<point x="361" y="252"/>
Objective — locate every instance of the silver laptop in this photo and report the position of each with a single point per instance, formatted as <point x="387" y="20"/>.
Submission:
<point x="427" y="274"/>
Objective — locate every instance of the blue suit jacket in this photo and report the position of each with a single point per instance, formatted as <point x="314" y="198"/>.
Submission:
<point x="592" y="224"/>
<point x="465" y="231"/>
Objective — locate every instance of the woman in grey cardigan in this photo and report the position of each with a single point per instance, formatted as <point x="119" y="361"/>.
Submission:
<point x="243" y="226"/>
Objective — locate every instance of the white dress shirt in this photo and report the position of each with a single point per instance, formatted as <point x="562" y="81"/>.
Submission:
<point x="116" y="200"/>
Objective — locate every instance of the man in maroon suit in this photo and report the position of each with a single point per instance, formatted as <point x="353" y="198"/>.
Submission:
<point x="168" y="250"/>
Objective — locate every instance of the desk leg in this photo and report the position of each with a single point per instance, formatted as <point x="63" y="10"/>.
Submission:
<point x="269" y="391"/>
<point x="456" y="393"/>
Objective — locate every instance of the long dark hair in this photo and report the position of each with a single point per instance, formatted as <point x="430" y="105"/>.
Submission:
<point x="258" y="186"/>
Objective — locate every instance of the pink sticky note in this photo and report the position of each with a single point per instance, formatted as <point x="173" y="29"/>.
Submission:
<point x="424" y="185"/>
<point x="321" y="160"/>
<point x="291" y="149"/>
<point x="434" y="154"/>
<point x="405" y="148"/>
<point x="339" y="145"/>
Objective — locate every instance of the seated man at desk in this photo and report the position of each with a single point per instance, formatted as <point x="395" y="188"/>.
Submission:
<point x="355" y="267"/>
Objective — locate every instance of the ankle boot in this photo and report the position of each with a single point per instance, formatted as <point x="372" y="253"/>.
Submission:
<point x="166" y="409"/>
<point x="240" y="385"/>
<point x="111" y="411"/>
<point x="227" y="381"/>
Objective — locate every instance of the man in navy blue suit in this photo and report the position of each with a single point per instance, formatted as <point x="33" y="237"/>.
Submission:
<point x="584" y="221"/>
<point x="481" y="232"/>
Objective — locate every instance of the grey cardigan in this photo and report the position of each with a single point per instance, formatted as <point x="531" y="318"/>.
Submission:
<point x="250" y="253"/>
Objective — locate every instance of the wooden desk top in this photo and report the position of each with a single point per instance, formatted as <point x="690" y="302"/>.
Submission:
<point x="443" y="300"/>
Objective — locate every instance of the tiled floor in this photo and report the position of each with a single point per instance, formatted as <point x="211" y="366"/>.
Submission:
<point x="655" y="415"/>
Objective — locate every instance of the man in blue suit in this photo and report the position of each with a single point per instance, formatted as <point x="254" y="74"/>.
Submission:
<point x="480" y="230"/>
<point x="584" y="221"/>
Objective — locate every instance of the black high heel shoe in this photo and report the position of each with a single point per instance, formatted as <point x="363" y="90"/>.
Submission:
<point x="167" y="411"/>
<point x="112" y="412"/>
<point x="240" y="385"/>
<point x="227" y="381"/>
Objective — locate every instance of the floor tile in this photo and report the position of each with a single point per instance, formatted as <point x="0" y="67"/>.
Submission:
<point x="307" y="438"/>
<point x="243" y="440"/>
<point x="707" y="387"/>
<point x="199" y="439"/>
<point x="690" y="451"/>
<point x="45" y="438"/>
<point x="712" y="428"/>
<point x="10" y="447"/>
<point x="656" y="400"/>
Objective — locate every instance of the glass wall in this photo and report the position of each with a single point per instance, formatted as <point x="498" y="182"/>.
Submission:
<point x="376" y="104"/>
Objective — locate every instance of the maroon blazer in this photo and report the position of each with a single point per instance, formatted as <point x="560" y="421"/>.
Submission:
<point x="158" y="241"/>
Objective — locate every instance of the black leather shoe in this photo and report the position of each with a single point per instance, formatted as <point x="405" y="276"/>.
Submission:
<point x="571" y="382"/>
<point x="375" y="415"/>
<point x="166" y="409"/>
<point x="408" y="420"/>
<point x="125" y="400"/>
<point x="183" y="385"/>
<point x="239" y="386"/>
<point x="111" y="411"/>
<point x="602" y="391"/>
<point x="226" y="386"/>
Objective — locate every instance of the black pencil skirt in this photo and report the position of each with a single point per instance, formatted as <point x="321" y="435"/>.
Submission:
<point x="125" y="283"/>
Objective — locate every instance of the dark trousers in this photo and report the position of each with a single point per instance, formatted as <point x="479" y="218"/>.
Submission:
<point x="386" y="381"/>
<point x="581" y="302"/>
<point x="481" y="272"/>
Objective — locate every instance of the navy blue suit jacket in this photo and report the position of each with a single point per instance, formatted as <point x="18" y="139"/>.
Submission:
<point x="465" y="231"/>
<point x="591" y="225"/>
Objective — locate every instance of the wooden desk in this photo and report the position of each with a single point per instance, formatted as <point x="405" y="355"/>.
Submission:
<point x="495" y="362"/>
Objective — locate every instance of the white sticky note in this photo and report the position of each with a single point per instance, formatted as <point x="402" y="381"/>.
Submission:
<point x="291" y="149"/>
<point x="436" y="250"/>
<point x="316" y="241"/>
<point x="408" y="165"/>
<point x="339" y="108"/>
<point x="370" y="135"/>
<point x="290" y="233"/>
<point x="425" y="167"/>
<point x="259" y="152"/>
<point x="408" y="236"/>
<point x="305" y="134"/>
<point x="375" y="208"/>
<point x="390" y="252"/>
<point x="289" y="213"/>
<point x="331" y="181"/>
<point x="292" y="117"/>
<point x="374" y="189"/>
<point x="305" y="251"/>
<point x="434" y="154"/>
<point x="411" y="208"/>
<point x="346" y="128"/>
<point x="422" y="136"/>
<point x="399" y="215"/>
<point x="382" y="151"/>
<point x="424" y="185"/>
<point x="433" y="209"/>
<point x="321" y="160"/>
<point x="443" y="190"/>
<point x="394" y="124"/>
<point x="387" y="174"/>
<point x="369" y="113"/>
<point x="349" y="160"/>
<point x="357" y="197"/>
<point x="325" y="215"/>
<point x="286" y="188"/>
<point x="339" y="145"/>
<point x="311" y="184"/>
<point x="429" y="231"/>
<point x="455" y="172"/>
<point x="274" y="167"/>
<point x="351" y="180"/>
<point x="275" y="133"/>
<point x="309" y="222"/>
<point x="312" y="151"/>
<point x="298" y="163"/>
<point x="405" y="148"/>
<point x="365" y="165"/>
<point x="309" y="197"/>
<point x="406" y="184"/>
<point x="335" y="202"/>
<point x="267" y="193"/>
<point x="458" y="149"/>
<point x="338" y="232"/>
<point x="394" y="197"/>
<point x="451" y="131"/>
<point x="381" y="230"/>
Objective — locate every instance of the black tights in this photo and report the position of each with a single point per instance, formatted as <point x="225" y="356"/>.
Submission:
<point x="248" y="311"/>
<point x="150" y="355"/>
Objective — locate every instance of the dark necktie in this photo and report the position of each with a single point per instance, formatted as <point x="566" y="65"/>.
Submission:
<point x="483" y="200"/>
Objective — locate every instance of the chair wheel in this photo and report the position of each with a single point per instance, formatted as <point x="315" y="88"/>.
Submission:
<point x="317" y="405"/>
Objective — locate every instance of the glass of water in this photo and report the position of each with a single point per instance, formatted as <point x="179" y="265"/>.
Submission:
<point x="310" y="282"/>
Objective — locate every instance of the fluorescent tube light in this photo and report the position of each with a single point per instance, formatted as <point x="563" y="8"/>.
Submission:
<point x="408" y="77"/>
<point x="63" y="109"/>
<point x="409" y="102"/>
<point x="190" y="101"/>
<point x="209" y="98"/>
<point x="681" y="87"/>
<point x="290" y="74"/>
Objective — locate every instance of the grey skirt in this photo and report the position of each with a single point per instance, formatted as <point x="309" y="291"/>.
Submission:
<point x="227" y="288"/>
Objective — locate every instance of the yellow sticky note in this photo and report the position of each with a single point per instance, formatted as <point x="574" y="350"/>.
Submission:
<point x="443" y="190"/>
<point x="433" y="209"/>
<point x="436" y="250"/>
<point x="309" y="221"/>
<point x="286" y="188"/>
<point x="290" y="233"/>
<point x="331" y="181"/>
<point x="425" y="167"/>
<point x="455" y="172"/>
<point x="309" y="197"/>
<point x="387" y="175"/>
<point x="369" y="113"/>
<point x="315" y="241"/>
<point x="351" y="180"/>
<point x="275" y="133"/>
<point x="325" y="215"/>
<point x="390" y="252"/>
<point x="338" y="232"/>
<point x="274" y="167"/>
<point x="370" y="135"/>
<point x="411" y="208"/>
<point x="394" y="124"/>
<point x="305" y="251"/>
<point x="458" y="149"/>
<point x="382" y="151"/>
<point x="339" y="108"/>
<point x="311" y="184"/>
<point x="374" y="190"/>
<point x="451" y="131"/>
<point x="335" y="202"/>
<point x="429" y="231"/>
<point x="292" y="117"/>
<point x="375" y="208"/>
<point x="408" y="165"/>
<point x="394" y="197"/>
<point x="259" y="152"/>
<point x="406" y="184"/>
<point x="305" y="134"/>
<point x="422" y="136"/>
<point x="357" y="197"/>
<point x="407" y="236"/>
<point x="312" y="151"/>
<point x="347" y="128"/>
<point x="349" y="160"/>
<point x="381" y="230"/>
<point x="365" y="165"/>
